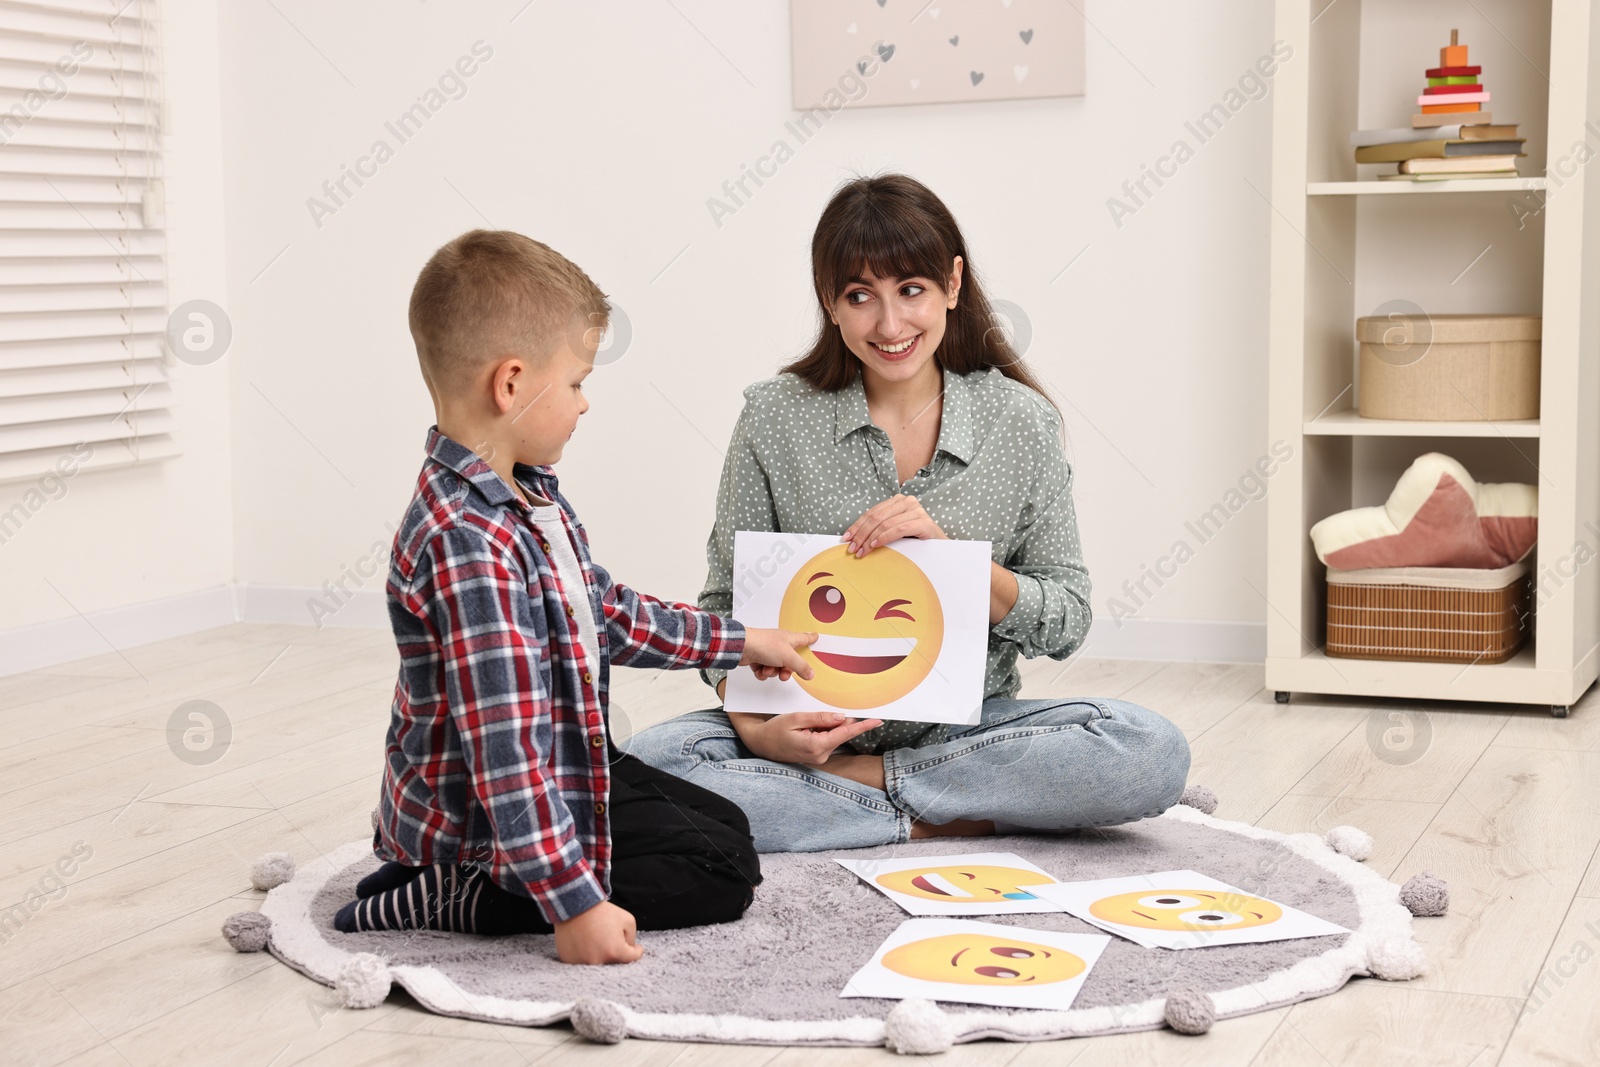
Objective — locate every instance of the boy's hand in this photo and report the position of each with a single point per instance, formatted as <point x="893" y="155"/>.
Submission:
<point x="603" y="934"/>
<point x="800" y="736"/>
<point x="772" y="652"/>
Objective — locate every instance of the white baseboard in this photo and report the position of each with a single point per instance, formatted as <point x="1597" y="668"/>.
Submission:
<point x="47" y="644"/>
<point x="305" y="606"/>
<point x="1177" y="640"/>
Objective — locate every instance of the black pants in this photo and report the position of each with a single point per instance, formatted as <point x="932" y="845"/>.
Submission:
<point x="680" y="855"/>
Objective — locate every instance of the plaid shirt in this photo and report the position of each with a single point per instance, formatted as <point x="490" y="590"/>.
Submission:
<point x="497" y="752"/>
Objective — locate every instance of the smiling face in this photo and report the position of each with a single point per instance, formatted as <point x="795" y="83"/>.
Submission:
<point x="980" y="959"/>
<point x="878" y="620"/>
<point x="894" y="325"/>
<point x="964" y="885"/>
<point x="1186" y="909"/>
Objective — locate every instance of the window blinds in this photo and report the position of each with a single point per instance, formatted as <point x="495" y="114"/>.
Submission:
<point x="83" y="376"/>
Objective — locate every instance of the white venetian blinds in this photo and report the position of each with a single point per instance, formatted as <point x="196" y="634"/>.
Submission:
<point x="82" y="272"/>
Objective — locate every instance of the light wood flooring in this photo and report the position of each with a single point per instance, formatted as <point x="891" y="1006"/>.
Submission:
<point x="127" y="966"/>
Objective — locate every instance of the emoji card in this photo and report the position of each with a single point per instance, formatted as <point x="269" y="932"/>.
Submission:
<point x="979" y="963"/>
<point x="903" y="632"/>
<point x="985" y="883"/>
<point x="1183" y="909"/>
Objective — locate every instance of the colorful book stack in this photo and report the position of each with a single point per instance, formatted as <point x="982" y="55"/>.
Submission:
<point x="1452" y="137"/>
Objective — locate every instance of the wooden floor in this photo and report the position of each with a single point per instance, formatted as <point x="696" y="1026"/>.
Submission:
<point x="126" y="965"/>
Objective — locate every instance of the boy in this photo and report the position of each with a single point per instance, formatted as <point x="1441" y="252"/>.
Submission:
<point x="502" y="800"/>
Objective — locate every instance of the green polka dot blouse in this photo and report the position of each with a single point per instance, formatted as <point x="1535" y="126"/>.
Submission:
<point x="805" y="461"/>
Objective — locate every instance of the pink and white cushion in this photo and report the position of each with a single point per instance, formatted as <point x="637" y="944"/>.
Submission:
<point x="1437" y="516"/>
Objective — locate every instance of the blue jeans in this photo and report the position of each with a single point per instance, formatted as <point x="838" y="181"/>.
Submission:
<point x="1027" y="765"/>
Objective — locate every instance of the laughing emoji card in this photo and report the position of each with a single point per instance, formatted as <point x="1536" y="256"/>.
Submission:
<point x="984" y="883"/>
<point x="902" y="632"/>
<point x="1184" y="909"/>
<point x="979" y="963"/>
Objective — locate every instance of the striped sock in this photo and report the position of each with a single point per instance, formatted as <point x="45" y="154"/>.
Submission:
<point x="389" y="876"/>
<point x="444" y="897"/>
<point x="440" y="897"/>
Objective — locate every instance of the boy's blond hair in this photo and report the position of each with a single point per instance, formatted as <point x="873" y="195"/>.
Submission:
<point x="492" y="293"/>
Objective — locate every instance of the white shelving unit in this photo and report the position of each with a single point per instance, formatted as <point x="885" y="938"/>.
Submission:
<point x="1463" y="185"/>
<point x="1343" y="243"/>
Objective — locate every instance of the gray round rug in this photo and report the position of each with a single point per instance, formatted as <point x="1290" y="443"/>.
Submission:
<point x="774" y="977"/>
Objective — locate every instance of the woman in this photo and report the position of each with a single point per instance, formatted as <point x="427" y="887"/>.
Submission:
<point x="911" y="416"/>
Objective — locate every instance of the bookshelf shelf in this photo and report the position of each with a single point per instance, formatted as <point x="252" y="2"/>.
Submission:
<point x="1518" y="680"/>
<point x="1463" y="185"/>
<point x="1347" y="423"/>
<point x="1343" y="247"/>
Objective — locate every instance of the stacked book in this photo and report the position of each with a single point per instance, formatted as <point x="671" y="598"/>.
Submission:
<point x="1452" y="137"/>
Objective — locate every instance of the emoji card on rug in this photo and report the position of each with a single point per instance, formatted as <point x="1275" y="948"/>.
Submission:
<point x="1183" y="909"/>
<point x="979" y="963"/>
<point x="984" y="883"/>
<point x="903" y="631"/>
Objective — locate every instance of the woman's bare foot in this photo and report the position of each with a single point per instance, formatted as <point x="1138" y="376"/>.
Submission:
<point x="956" y="828"/>
<point x="863" y="769"/>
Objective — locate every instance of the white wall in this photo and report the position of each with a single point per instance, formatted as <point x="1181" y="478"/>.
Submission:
<point x="603" y="129"/>
<point x="135" y="535"/>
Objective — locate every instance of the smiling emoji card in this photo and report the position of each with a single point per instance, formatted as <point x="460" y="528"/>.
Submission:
<point x="1184" y="909"/>
<point x="979" y="963"/>
<point x="902" y="631"/>
<point x="984" y="883"/>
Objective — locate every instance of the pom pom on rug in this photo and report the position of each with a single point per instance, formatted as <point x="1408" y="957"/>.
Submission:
<point x="1424" y="894"/>
<point x="1199" y="798"/>
<point x="1396" y="959"/>
<point x="1190" y="1011"/>
<point x="272" y="870"/>
<point x="917" y="1027"/>
<point x="374" y="819"/>
<point x="363" y="981"/>
<point x="1353" y="842"/>
<point x="247" y="931"/>
<point x="598" y="1020"/>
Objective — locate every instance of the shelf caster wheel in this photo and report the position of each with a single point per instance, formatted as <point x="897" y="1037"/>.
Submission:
<point x="1560" y="711"/>
<point x="1281" y="696"/>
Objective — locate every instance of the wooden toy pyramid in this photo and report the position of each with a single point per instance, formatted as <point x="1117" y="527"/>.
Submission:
<point x="1453" y="93"/>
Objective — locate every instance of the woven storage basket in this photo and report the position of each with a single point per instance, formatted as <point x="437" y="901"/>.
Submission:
<point x="1439" y="614"/>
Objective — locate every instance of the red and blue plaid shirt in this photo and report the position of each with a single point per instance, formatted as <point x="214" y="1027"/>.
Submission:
<point x="497" y="752"/>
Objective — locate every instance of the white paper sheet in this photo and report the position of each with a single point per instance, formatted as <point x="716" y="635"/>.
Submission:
<point x="1183" y="909"/>
<point x="904" y="630"/>
<point x="979" y="963"/>
<point x="980" y="883"/>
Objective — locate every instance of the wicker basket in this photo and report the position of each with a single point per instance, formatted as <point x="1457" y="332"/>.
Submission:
<point x="1438" y="614"/>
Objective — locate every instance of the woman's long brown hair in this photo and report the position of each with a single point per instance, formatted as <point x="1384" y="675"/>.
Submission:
<point x="895" y="227"/>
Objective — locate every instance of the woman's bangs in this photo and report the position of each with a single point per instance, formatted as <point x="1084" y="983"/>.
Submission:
<point x="885" y="248"/>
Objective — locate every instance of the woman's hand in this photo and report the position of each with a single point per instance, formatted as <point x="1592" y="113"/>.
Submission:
<point x="904" y="516"/>
<point x="800" y="736"/>
<point x="899" y="516"/>
<point x="772" y="653"/>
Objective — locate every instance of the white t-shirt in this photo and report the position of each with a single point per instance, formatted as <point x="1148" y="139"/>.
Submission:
<point x="546" y="517"/>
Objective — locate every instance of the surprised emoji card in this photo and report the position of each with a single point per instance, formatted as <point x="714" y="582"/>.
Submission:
<point x="1183" y="909"/>
<point x="902" y="631"/>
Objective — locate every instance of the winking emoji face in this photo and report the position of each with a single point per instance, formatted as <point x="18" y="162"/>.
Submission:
<point x="879" y="624"/>
<point x="1186" y="909"/>
<point x="981" y="959"/>
<point x="964" y="885"/>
